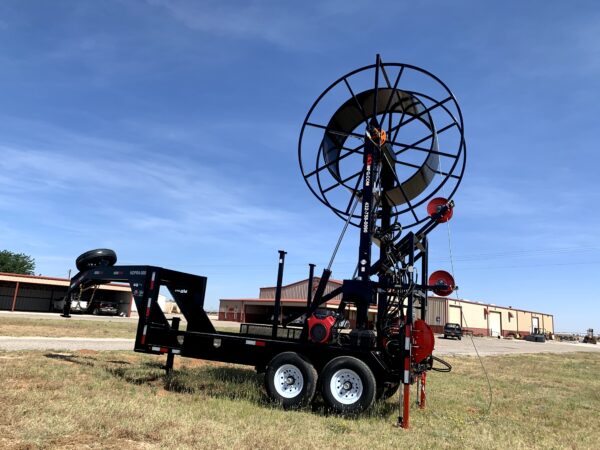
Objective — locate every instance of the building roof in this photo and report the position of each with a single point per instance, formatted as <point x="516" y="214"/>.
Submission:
<point x="491" y="305"/>
<point x="304" y="281"/>
<point x="336" y="302"/>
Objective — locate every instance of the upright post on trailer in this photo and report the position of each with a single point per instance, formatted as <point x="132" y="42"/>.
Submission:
<point x="424" y="275"/>
<point x="170" y="356"/>
<point x="277" y="308"/>
<point x="387" y="184"/>
<point x="403" y="420"/>
<point x="371" y="160"/>
<point x="311" y="273"/>
<point x="366" y="224"/>
<point x="424" y="300"/>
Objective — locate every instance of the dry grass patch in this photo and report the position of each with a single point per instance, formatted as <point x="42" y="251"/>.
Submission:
<point x="73" y="327"/>
<point x="124" y="400"/>
<point x="61" y="327"/>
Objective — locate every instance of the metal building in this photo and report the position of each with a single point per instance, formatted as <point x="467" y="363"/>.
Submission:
<point x="38" y="293"/>
<point x="479" y="318"/>
<point x="487" y="319"/>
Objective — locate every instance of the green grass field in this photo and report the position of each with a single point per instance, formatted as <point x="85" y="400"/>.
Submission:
<point x="123" y="400"/>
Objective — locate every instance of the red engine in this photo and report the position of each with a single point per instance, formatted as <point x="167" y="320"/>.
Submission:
<point x="319" y="328"/>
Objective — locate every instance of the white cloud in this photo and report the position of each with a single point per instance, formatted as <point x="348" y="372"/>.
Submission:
<point x="223" y="19"/>
<point x="114" y="188"/>
<point x="279" y="23"/>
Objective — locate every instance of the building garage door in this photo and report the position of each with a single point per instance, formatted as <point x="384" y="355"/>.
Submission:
<point x="495" y="324"/>
<point x="535" y="324"/>
<point x="455" y="315"/>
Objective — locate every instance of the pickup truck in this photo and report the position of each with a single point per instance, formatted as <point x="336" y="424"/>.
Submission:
<point x="452" y="330"/>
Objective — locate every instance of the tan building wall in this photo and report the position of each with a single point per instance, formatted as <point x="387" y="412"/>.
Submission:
<point x="549" y="322"/>
<point x="509" y="320"/>
<point x="476" y="317"/>
<point x="527" y="321"/>
<point x="524" y="322"/>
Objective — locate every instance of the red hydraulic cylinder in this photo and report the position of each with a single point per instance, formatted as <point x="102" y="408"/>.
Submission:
<point x="422" y="393"/>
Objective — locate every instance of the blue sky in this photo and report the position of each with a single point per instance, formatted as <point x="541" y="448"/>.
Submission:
<point x="168" y="131"/>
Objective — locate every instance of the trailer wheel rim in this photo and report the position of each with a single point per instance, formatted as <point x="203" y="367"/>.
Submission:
<point x="288" y="381"/>
<point x="346" y="386"/>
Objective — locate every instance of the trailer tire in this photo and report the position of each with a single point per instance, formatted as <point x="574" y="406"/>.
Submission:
<point x="348" y="385"/>
<point x="290" y="380"/>
<point x="103" y="257"/>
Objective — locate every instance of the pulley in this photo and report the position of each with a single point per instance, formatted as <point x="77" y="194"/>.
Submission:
<point x="442" y="282"/>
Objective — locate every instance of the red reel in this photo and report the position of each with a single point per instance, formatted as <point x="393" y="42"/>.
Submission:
<point x="435" y="205"/>
<point x="443" y="282"/>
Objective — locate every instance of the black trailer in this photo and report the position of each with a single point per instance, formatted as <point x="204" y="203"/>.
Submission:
<point x="351" y="366"/>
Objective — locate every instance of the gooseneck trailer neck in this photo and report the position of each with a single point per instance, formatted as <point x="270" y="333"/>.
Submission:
<point x="390" y="148"/>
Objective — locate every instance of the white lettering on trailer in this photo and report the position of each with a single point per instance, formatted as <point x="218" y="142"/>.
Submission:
<point x="137" y="272"/>
<point x="367" y="208"/>
<point x="175" y="351"/>
<point x="155" y="349"/>
<point x="249" y="342"/>
<point x="406" y="377"/>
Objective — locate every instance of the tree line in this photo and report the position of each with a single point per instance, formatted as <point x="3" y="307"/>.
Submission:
<point x="11" y="262"/>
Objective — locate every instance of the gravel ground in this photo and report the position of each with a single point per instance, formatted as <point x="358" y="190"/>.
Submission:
<point x="485" y="346"/>
<point x="492" y="346"/>
<point x="8" y="343"/>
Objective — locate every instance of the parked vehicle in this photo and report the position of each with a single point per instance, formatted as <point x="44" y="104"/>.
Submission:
<point x="77" y="305"/>
<point x="538" y="335"/>
<point x="453" y="330"/>
<point x="104" y="307"/>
